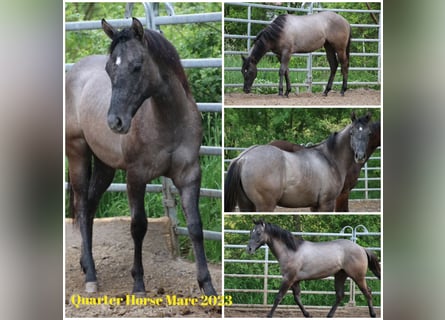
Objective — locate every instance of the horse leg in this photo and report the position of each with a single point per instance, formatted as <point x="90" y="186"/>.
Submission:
<point x="188" y="185"/>
<point x="344" y="62"/>
<point x="340" y="278"/>
<point x="283" y="289"/>
<point x="284" y="71"/>
<point x="367" y="292"/>
<point x="342" y="202"/>
<point x="297" y="291"/>
<point x="327" y="206"/>
<point x="79" y="159"/>
<point x="244" y="203"/>
<point x="333" y="64"/>
<point x="101" y="178"/>
<point x="136" y="192"/>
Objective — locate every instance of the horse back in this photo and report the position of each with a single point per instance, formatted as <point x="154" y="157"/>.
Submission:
<point x="322" y="259"/>
<point x="310" y="32"/>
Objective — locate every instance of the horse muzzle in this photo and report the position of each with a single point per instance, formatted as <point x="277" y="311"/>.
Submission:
<point x="360" y="157"/>
<point x="118" y="124"/>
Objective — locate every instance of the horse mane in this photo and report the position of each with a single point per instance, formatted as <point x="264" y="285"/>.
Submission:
<point x="160" y="49"/>
<point x="267" y="35"/>
<point x="288" y="238"/>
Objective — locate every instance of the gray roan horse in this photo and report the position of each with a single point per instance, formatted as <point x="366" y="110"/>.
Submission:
<point x="289" y="34"/>
<point x="133" y="110"/>
<point x="342" y="201"/>
<point x="304" y="260"/>
<point x="265" y="176"/>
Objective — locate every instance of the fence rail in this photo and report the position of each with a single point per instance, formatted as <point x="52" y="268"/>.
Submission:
<point x="306" y="67"/>
<point x="354" y="235"/>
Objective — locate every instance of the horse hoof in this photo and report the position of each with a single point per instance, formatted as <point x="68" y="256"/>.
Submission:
<point x="91" y="287"/>
<point x="208" y="289"/>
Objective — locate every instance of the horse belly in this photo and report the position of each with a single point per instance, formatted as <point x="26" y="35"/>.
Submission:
<point x="295" y="196"/>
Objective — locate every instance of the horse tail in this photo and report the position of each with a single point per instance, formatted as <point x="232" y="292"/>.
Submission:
<point x="373" y="264"/>
<point x="232" y="185"/>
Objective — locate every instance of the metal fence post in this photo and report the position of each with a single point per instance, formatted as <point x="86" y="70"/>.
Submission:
<point x="266" y="272"/>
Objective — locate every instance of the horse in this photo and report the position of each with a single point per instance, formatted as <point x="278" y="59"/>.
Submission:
<point x="289" y="34"/>
<point x="133" y="110"/>
<point x="304" y="260"/>
<point x="264" y="176"/>
<point x="341" y="203"/>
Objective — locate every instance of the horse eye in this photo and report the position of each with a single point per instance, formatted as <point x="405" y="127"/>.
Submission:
<point x="137" y="68"/>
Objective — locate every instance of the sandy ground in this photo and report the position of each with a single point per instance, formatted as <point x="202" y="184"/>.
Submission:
<point x="353" y="97"/>
<point x="113" y="254"/>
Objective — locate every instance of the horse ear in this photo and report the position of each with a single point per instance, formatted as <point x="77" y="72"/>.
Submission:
<point x="368" y="116"/>
<point x="108" y="29"/>
<point x="353" y="116"/>
<point x="138" y="29"/>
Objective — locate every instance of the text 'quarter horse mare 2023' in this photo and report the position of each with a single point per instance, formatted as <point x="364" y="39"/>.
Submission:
<point x="265" y="176"/>
<point x="304" y="260"/>
<point x="342" y="201"/>
<point x="133" y="110"/>
<point x="289" y="34"/>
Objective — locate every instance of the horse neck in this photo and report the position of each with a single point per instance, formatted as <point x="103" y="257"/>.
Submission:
<point x="343" y="153"/>
<point x="170" y="96"/>
<point x="259" y="50"/>
<point x="278" y="248"/>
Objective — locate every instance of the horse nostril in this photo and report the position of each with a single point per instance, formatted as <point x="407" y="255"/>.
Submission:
<point x="115" y="123"/>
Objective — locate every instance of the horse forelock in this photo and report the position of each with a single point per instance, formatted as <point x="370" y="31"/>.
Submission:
<point x="288" y="238"/>
<point x="159" y="48"/>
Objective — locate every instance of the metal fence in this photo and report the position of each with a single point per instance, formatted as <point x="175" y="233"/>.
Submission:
<point x="352" y="233"/>
<point x="370" y="176"/>
<point x="153" y="21"/>
<point x="308" y="66"/>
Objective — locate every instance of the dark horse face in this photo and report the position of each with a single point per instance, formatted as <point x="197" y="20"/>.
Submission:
<point x="249" y="71"/>
<point x="127" y="68"/>
<point x="360" y="132"/>
<point x="257" y="237"/>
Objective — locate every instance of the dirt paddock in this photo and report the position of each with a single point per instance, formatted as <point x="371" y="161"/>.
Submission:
<point x="165" y="276"/>
<point x="352" y="97"/>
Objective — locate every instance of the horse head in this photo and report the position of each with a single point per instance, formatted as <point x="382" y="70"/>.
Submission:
<point x="127" y="67"/>
<point x="249" y="71"/>
<point x="360" y="132"/>
<point x="258" y="237"/>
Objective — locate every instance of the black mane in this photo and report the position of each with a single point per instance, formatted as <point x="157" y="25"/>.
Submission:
<point x="268" y="35"/>
<point x="159" y="48"/>
<point x="283" y="235"/>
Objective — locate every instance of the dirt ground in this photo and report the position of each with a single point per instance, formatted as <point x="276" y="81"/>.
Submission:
<point x="165" y="275"/>
<point x="342" y="312"/>
<point x="113" y="254"/>
<point x="352" y="97"/>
